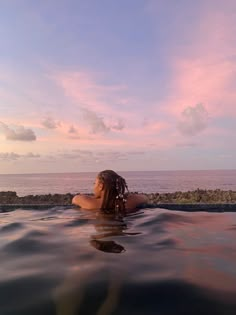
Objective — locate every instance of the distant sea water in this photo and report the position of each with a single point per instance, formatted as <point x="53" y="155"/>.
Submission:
<point x="140" y="181"/>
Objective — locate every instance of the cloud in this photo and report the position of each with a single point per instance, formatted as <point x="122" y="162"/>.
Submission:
<point x="84" y="90"/>
<point x="72" y="130"/>
<point x="9" y="156"/>
<point x="12" y="156"/>
<point x="83" y="152"/>
<point x="98" y="124"/>
<point x="186" y="144"/>
<point x="136" y="152"/>
<point x="193" y="120"/>
<point x="20" y="133"/>
<point x="77" y="154"/>
<point x="99" y="156"/>
<point x="31" y="155"/>
<point x="95" y="122"/>
<point x="110" y="156"/>
<point x="70" y="156"/>
<point x="203" y="70"/>
<point x="119" y="125"/>
<point x="50" y="123"/>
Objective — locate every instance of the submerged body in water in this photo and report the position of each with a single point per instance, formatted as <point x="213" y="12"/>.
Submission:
<point x="155" y="261"/>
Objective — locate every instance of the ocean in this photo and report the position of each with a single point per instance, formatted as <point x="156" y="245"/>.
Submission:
<point x="69" y="261"/>
<point x="146" y="182"/>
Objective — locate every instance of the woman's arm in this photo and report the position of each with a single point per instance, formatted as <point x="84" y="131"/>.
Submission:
<point x="136" y="200"/>
<point x="85" y="202"/>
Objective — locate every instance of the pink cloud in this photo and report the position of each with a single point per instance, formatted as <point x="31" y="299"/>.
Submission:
<point x="98" y="113"/>
<point x="207" y="74"/>
<point x="207" y="83"/>
<point x="109" y="101"/>
<point x="83" y="89"/>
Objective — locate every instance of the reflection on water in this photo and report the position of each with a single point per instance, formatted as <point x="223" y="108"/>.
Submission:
<point x="64" y="262"/>
<point x="107" y="246"/>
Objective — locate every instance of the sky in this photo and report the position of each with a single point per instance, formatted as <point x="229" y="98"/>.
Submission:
<point x="126" y="85"/>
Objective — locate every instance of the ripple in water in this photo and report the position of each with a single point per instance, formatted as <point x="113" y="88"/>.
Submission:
<point x="155" y="261"/>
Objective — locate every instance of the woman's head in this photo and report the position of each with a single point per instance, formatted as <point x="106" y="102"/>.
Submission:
<point x="111" y="187"/>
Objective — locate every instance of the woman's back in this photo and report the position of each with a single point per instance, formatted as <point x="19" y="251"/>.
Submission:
<point x="109" y="195"/>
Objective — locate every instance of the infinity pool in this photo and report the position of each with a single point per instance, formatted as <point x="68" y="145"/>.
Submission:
<point x="66" y="261"/>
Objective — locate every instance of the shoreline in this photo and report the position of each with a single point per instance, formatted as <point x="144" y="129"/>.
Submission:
<point x="195" y="197"/>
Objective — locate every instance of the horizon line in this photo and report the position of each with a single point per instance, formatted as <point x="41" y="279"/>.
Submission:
<point x="122" y="171"/>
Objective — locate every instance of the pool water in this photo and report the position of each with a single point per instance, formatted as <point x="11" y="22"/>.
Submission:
<point x="66" y="261"/>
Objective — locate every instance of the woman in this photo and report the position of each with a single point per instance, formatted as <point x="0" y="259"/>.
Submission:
<point x="109" y="195"/>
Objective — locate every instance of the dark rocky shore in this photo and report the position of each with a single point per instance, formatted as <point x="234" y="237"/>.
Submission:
<point x="198" y="196"/>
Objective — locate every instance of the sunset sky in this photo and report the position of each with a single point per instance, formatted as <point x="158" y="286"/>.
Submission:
<point x="128" y="85"/>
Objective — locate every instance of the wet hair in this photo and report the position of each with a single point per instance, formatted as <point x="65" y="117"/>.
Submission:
<point x="114" y="191"/>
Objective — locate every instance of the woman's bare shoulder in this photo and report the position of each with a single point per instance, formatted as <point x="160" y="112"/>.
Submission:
<point x="86" y="202"/>
<point x="135" y="200"/>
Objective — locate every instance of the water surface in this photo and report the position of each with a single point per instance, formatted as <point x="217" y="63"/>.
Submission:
<point x="155" y="261"/>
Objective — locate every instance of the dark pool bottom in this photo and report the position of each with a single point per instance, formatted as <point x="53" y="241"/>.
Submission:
<point x="66" y="261"/>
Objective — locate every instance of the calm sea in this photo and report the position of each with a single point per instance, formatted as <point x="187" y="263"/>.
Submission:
<point x="147" y="182"/>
